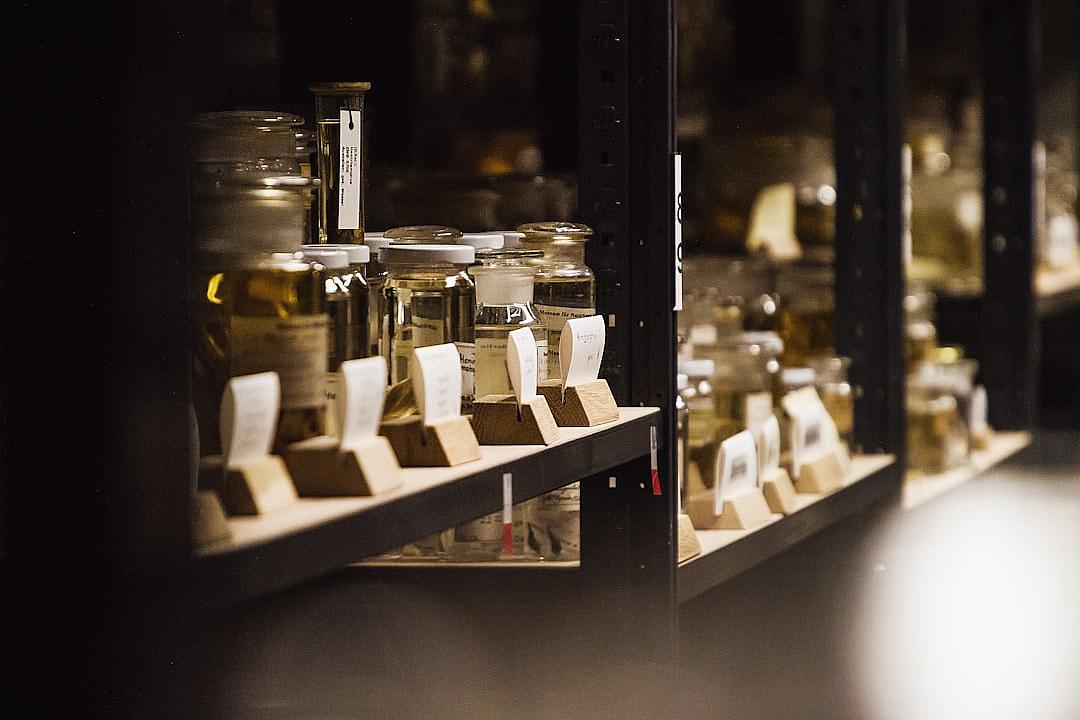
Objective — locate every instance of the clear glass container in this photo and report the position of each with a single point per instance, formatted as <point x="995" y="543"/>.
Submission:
<point x="376" y="274"/>
<point x="430" y="300"/>
<point x="260" y="142"/>
<point x="807" y="311"/>
<point x="733" y="295"/>
<point x="947" y="372"/>
<point x="345" y="285"/>
<point x="334" y="100"/>
<point x="252" y="213"/>
<point x="682" y="437"/>
<point x="258" y="313"/>
<point x="831" y="381"/>
<point x="920" y="333"/>
<point x="702" y="423"/>
<point x="504" y="291"/>
<point x="935" y="436"/>
<point x="423" y="235"/>
<point x="745" y="380"/>
<point x="564" y="287"/>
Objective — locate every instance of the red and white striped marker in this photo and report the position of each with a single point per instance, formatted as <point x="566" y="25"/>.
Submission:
<point x="508" y="514"/>
<point x="656" y="490"/>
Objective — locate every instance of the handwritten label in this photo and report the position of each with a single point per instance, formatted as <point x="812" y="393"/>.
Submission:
<point x="360" y="399"/>
<point x="349" y="188"/>
<point x="249" y="413"/>
<point x="737" y="468"/>
<point x="808" y="436"/>
<point x="678" y="235"/>
<point x="581" y="349"/>
<point x="436" y="374"/>
<point x="768" y="440"/>
<point x="521" y="361"/>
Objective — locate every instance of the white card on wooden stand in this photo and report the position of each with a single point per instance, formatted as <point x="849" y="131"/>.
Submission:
<point x="772" y="222"/>
<point x="808" y="441"/>
<point x="736" y="468"/>
<point x="768" y="440"/>
<point x="521" y="362"/>
<point x="249" y="413"/>
<point x="436" y="374"/>
<point x="581" y="348"/>
<point x="360" y="399"/>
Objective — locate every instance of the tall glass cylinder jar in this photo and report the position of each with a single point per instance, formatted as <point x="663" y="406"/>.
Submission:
<point x="564" y="287"/>
<point x="342" y="160"/>
<point x="430" y="300"/>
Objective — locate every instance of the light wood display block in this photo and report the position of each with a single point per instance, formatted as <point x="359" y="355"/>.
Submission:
<point x="689" y="545"/>
<point x="208" y="522"/>
<point x="779" y="492"/>
<point x="258" y="487"/>
<point x="744" y="512"/>
<point x="321" y="468"/>
<point x="584" y="405"/>
<point x="445" y="444"/>
<point x="498" y="420"/>
<point x="821" y="476"/>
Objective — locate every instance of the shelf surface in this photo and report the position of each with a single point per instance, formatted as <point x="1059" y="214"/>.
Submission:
<point x="317" y="535"/>
<point x="920" y="488"/>
<point x="726" y="553"/>
<point x="1056" y="290"/>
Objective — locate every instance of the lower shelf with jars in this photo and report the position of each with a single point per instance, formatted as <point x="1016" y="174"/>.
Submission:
<point x="726" y="553"/>
<point x="920" y="487"/>
<point x="314" y="536"/>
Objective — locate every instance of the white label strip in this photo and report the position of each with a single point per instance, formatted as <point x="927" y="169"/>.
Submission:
<point x="678" y="233"/>
<point x="249" y="413"/>
<point x="738" y="466"/>
<point x="508" y="513"/>
<point x="581" y="349"/>
<point x="436" y="374"/>
<point x="521" y="362"/>
<point x="349" y="170"/>
<point x="360" y="400"/>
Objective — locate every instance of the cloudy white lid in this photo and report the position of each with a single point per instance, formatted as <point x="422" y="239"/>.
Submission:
<point x="453" y="254"/>
<point x="332" y="259"/>
<point x="358" y="254"/>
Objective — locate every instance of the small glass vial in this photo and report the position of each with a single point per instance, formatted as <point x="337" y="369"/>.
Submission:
<point x="342" y="170"/>
<point x="831" y="381"/>
<point x="504" y="290"/>
<point x="258" y="313"/>
<point x="701" y="429"/>
<point x="430" y="300"/>
<point x="423" y="235"/>
<point x="564" y="287"/>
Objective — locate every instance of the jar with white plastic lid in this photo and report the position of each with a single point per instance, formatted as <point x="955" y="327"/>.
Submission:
<point x="345" y="287"/>
<point x="430" y="300"/>
<point x="565" y="287"/>
<point x="503" y="304"/>
<point x="423" y="235"/>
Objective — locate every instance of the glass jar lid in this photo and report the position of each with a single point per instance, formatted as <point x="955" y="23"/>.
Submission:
<point x="482" y="241"/>
<point x="507" y="256"/>
<point x="338" y="88"/>
<point x="752" y="343"/>
<point x="420" y="254"/>
<point x="423" y="235"/>
<point x="328" y="258"/>
<point x="254" y="120"/>
<point x="357" y="254"/>
<point x="555" y="231"/>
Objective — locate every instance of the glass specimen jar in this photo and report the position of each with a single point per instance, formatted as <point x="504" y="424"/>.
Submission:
<point x="564" y="287"/>
<point x="935" y="436"/>
<point x="342" y="161"/>
<point x="347" y="289"/>
<point x="745" y="380"/>
<point x="948" y="372"/>
<point x="831" y="381"/>
<point x="257" y="313"/>
<point x="702" y="440"/>
<point x="262" y="142"/>
<point x="423" y="235"/>
<point x="920" y="334"/>
<point x="807" y="311"/>
<point x="252" y="213"/>
<point x="504" y="290"/>
<point x="430" y="300"/>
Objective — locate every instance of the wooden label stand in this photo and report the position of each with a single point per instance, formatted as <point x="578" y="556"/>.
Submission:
<point x="497" y="420"/>
<point x="744" y="512"/>
<point x="444" y="444"/>
<point x="824" y="474"/>
<point x="258" y="487"/>
<point x="585" y="405"/>
<point x="779" y="492"/>
<point x="320" y="467"/>
<point x="689" y="545"/>
<point x="209" y="524"/>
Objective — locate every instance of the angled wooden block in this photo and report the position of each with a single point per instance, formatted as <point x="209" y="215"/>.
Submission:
<point x="320" y="467"/>
<point x="497" y="420"/>
<point x="212" y="473"/>
<point x="689" y="545"/>
<point x="745" y="512"/>
<point x="701" y="509"/>
<point x="444" y="444"/>
<point x="258" y="487"/>
<point x="585" y="405"/>
<point x="208" y="522"/>
<point x="779" y="492"/>
<point x="822" y="475"/>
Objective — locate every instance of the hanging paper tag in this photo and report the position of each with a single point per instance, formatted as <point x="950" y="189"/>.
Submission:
<point x="349" y="170"/>
<point x="508" y="514"/>
<point x="249" y="413"/>
<point x="436" y="374"/>
<point x="521" y="362"/>
<point x="580" y="351"/>
<point x="772" y="223"/>
<point x="736" y="468"/>
<point x="654" y="465"/>
<point x="360" y="398"/>
<point x="678" y="235"/>
<point x="768" y="439"/>
<point x="808" y="435"/>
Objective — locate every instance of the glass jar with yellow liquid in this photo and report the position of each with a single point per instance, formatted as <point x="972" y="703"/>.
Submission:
<point x="831" y="381"/>
<point x="805" y="321"/>
<point x="935" y="438"/>
<point x="342" y="159"/>
<point x="920" y="333"/>
<point x="564" y="287"/>
<point x="702" y="425"/>
<point x="745" y="379"/>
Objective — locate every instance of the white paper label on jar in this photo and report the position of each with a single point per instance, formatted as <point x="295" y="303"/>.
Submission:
<point x="542" y="372"/>
<point x="295" y="348"/>
<point x="467" y="358"/>
<point x="757" y="408"/>
<point x="248" y="420"/>
<point x="521" y="363"/>
<point x="426" y="331"/>
<point x="486" y="529"/>
<point x="437" y="382"/>
<point x="736" y="468"/>
<point x="349" y="181"/>
<point x="492" y="377"/>
<point x="678" y="234"/>
<point x="554" y="318"/>
<point x="362" y="391"/>
<point x="582" y="349"/>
